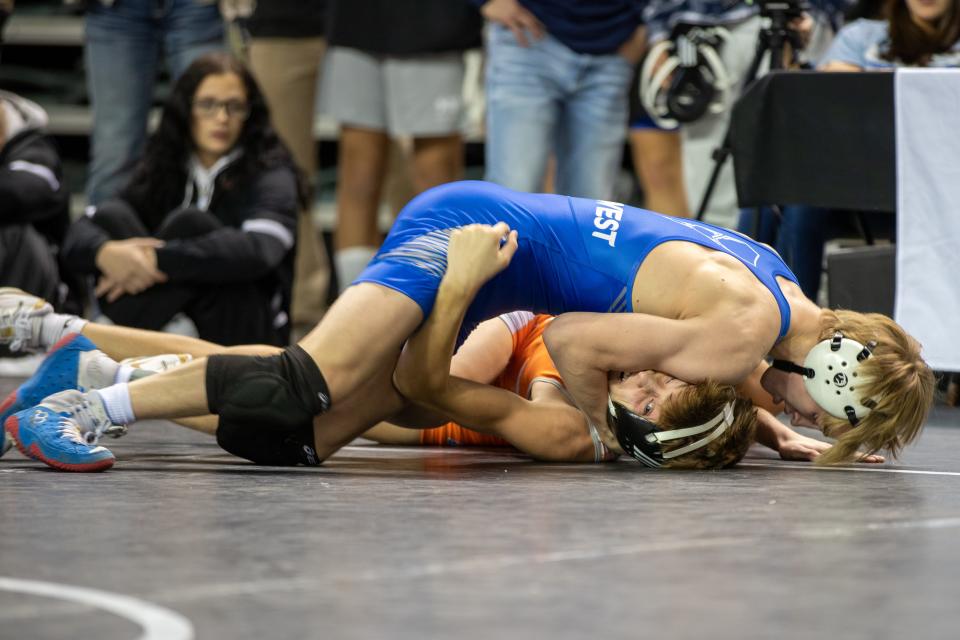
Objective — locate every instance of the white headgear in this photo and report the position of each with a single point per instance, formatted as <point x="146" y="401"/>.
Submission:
<point x="831" y="374"/>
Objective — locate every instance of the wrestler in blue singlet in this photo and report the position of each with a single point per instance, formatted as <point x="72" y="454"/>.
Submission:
<point x="574" y="254"/>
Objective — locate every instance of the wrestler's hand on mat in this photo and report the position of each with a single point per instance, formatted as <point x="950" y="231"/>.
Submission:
<point x="478" y="252"/>
<point x="800" y="447"/>
<point x="512" y="15"/>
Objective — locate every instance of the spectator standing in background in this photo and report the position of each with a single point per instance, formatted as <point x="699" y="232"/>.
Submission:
<point x="395" y="68"/>
<point x="33" y="202"/>
<point x="207" y="224"/>
<point x="657" y="159"/>
<point x="701" y="137"/>
<point x="285" y="52"/>
<point x="125" y="40"/>
<point x="558" y="72"/>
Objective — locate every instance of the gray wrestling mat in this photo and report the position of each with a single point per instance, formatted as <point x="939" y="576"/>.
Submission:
<point x="181" y="541"/>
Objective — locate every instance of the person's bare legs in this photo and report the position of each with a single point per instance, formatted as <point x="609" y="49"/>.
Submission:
<point x="359" y="338"/>
<point x="658" y="160"/>
<point x="125" y="342"/>
<point x="362" y="161"/>
<point x="436" y="160"/>
<point x="205" y="424"/>
<point x="362" y="165"/>
<point x="388" y="433"/>
<point x="361" y="335"/>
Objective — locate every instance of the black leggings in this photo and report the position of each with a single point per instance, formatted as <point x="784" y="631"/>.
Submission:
<point x="228" y="314"/>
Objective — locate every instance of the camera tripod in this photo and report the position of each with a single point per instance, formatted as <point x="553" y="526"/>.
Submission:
<point x="772" y="39"/>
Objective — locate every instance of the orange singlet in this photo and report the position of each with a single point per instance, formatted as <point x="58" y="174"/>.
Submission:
<point x="528" y="362"/>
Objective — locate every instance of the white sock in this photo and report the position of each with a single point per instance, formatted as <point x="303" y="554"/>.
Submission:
<point x="124" y="372"/>
<point x="351" y="262"/>
<point x="116" y="400"/>
<point x="97" y="370"/>
<point x="54" y="326"/>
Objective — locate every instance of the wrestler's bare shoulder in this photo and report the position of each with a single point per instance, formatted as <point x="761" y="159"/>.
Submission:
<point x="682" y="279"/>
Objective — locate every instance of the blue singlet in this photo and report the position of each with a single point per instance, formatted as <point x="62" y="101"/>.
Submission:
<point x="574" y="254"/>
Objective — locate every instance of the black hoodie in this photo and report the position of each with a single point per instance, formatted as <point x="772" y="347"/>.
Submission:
<point x="31" y="179"/>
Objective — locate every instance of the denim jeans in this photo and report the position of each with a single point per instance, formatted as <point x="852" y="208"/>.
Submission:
<point x="546" y="97"/>
<point x="124" y="43"/>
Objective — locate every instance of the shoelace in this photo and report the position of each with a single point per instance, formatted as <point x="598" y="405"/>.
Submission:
<point x="19" y="323"/>
<point x="68" y="429"/>
<point x="93" y="427"/>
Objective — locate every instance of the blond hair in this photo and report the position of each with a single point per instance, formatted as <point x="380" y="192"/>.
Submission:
<point x="698" y="404"/>
<point x="895" y="377"/>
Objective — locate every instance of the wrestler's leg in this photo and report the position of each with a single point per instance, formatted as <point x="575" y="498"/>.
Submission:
<point x="360" y="335"/>
<point x="387" y="433"/>
<point x="124" y="342"/>
<point x="358" y="416"/>
<point x="312" y="442"/>
<point x="204" y="424"/>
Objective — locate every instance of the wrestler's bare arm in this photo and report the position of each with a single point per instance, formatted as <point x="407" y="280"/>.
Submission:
<point x="481" y="358"/>
<point x="552" y="431"/>
<point x="546" y="430"/>
<point x="485" y="353"/>
<point x="585" y="346"/>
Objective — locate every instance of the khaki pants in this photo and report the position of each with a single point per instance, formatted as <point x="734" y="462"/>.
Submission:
<point x="287" y="70"/>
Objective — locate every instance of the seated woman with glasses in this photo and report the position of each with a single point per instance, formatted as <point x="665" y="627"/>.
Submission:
<point x="206" y="227"/>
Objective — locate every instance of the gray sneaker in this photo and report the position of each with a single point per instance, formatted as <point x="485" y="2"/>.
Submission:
<point x="5" y="441"/>
<point x="20" y="315"/>
<point x="87" y="411"/>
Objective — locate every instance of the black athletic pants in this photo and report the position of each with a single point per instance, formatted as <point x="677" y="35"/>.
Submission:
<point x="229" y="314"/>
<point x="28" y="262"/>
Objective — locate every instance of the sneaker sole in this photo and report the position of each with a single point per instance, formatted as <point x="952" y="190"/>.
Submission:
<point x="33" y="451"/>
<point x="12" y="397"/>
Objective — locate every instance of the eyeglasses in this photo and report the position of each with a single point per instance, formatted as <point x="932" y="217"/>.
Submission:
<point x="210" y="107"/>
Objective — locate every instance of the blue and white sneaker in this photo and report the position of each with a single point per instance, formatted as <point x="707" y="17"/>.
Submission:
<point x="20" y="314"/>
<point x="72" y="363"/>
<point x="51" y="433"/>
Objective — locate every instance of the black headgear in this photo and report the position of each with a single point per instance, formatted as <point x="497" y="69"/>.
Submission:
<point x="641" y="439"/>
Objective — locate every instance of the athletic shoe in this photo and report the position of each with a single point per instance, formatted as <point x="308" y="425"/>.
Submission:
<point x="5" y="442"/>
<point x="19" y="324"/>
<point x="50" y="432"/>
<point x="72" y="363"/>
<point x="156" y="364"/>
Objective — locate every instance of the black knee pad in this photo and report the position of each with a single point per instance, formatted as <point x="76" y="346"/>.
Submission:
<point x="261" y="444"/>
<point x="280" y="392"/>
